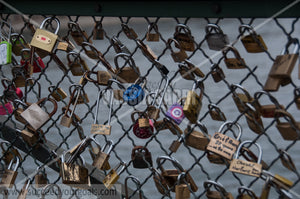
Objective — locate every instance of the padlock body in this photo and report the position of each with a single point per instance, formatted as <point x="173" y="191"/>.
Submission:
<point x="40" y="180"/>
<point x="9" y="178"/>
<point x="174" y="146"/>
<point x="101" y="160"/>
<point x="59" y="94"/>
<point x="179" y="56"/>
<point x="44" y="40"/>
<point x="175" y="112"/>
<point x="182" y="191"/>
<point x="74" y="174"/>
<point x="245" y="167"/>
<point x="283" y="65"/>
<point x="217" y="41"/>
<point x="66" y="121"/>
<point x="254" y="43"/>
<point x="127" y="75"/>
<point x="152" y="36"/>
<point x="153" y="112"/>
<point x="196" y="140"/>
<point x="255" y="123"/>
<point x="185" y="41"/>
<point x="287" y="131"/>
<point x="234" y="63"/>
<point x="192" y="106"/>
<point x="110" y="179"/>
<point x="35" y="116"/>
<point x="103" y="77"/>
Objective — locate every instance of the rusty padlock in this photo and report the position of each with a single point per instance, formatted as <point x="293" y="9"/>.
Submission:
<point x="141" y="157"/>
<point x="197" y="139"/>
<point x="216" y="113"/>
<point x="236" y="62"/>
<point x="184" y="37"/>
<point x="178" y="56"/>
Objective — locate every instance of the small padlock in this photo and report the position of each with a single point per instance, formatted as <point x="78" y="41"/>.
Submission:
<point x="287" y="160"/>
<point x="78" y="66"/>
<point x="136" y="182"/>
<point x="222" y="144"/>
<point x="101" y="159"/>
<point x="246" y="193"/>
<point x="119" y="47"/>
<point x="197" y="139"/>
<point x="175" y="112"/>
<point x="126" y="74"/>
<point x="152" y="32"/>
<point x="188" y="70"/>
<point x="297" y="97"/>
<point x="78" y="34"/>
<point x="18" y="43"/>
<point x="220" y="192"/>
<point x="98" y="31"/>
<point x="182" y="190"/>
<point x="176" y="144"/>
<point x="47" y="189"/>
<point x="246" y="167"/>
<point x="20" y="74"/>
<point x="184" y="37"/>
<point x="193" y="102"/>
<point x="24" y="191"/>
<point x="254" y="120"/>
<point x="44" y="39"/>
<point x="129" y="32"/>
<point x="216" y="113"/>
<point x="114" y="174"/>
<point x="6" y="107"/>
<point x="141" y="157"/>
<point x="65" y="45"/>
<point x="141" y="132"/>
<point x="240" y="99"/>
<point x="10" y="175"/>
<point x="150" y="55"/>
<point x="217" y="73"/>
<point x="237" y="62"/>
<point x="289" y="130"/>
<point x="174" y="128"/>
<point x="276" y="180"/>
<point x="57" y="93"/>
<point x="178" y="56"/>
<point x="40" y="177"/>
<point x="134" y="94"/>
<point x="160" y="182"/>
<point x="5" y="45"/>
<point x="215" y="38"/>
<point x="9" y="153"/>
<point x="252" y="42"/>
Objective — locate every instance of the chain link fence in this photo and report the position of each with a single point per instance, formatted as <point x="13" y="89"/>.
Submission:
<point x="127" y="35"/>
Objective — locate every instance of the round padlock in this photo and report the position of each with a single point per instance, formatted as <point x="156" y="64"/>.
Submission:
<point x="134" y="94"/>
<point x="140" y="132"/>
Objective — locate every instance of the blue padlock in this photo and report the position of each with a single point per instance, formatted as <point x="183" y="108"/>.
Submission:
<point x="134" y="94"/>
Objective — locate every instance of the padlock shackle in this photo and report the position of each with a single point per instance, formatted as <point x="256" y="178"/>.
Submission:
<point x="75" y="55"/>
<point x="51" y="19"/>
<point x="152" y="26"/>
<point x="128" y="60"/>
<point x="12" y="162"/>
<point x="247" y="27"/>
<point x="237" y="154"/>
<point x="23" y="51"/>
<point x="122" y="165"/>
<point x="16" y="37"/>
<point x="179" y="27"/>
<point x="175" y="163"/>
<point x="27" y="82"/>
<point x="17" y="102"/>
<point x="258" y="94"/>
<point x="249" y="192"/>
<point x="110" y="145"/>
<point x="140" y="113"/>
<point x="180" y="177"/>
<point x="127" y="31"/>
<point x="231" y="124"/>
<point x="136" y="182"/>
<point x="218" y="186"/>
<point x="99" y="97"/>
<point x="169" y="42"/>
<point x="47" y="188"/>
<point x="72" y="24"/>
<point x="279" y="112"/>
<point x="233" y="88"/>
<point x="200" y="85"/>
<point x="212" y="107"/>
<point x="211" y="26"/>
<point x="294" y="41"/>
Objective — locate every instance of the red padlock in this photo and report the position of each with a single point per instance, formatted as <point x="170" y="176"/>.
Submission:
<point x="6" y="108"/>
<point x="143" y="126"/>
<point x="11" y="90"/>
<point x="37" y="62"/>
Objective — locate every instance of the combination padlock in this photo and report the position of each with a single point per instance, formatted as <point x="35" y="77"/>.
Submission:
<point x="142" y="132"/>
<point x="134" y="94"/>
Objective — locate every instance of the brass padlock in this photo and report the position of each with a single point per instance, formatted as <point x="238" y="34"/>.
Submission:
<point x="114" y="174"/>
<point x="178" y="56"/>
<point x="143" y="121"/>
<point x="78" y="34"/>
<point x="126" y="74"/>
<point x="266" y="188"/>
<point x="44" y="39"/>
<point x="287" y="160"/>
<point x="20" y="74"/>
<point x="217" y="73"/>
<point x="254" y="120"/>
<point x="252" y="42"/>
<point x="10" y="175"/>
<point x="31" y="138"/>
<point x="193" y="102"/>
<point x="129" y="32"/>
<point x="182" y="188"/>
<point x="101" y="159"/>
<point x="277" y="181"/>
<point x="18" y="43"/>
<point x="24" y="191"/>
<point x="246" y="167"/>
<point x="216" y="113"/>
<point x="118" y="46"/>
<point x="219" y="193"/>
<point x="98" y="31"/>
<point x="141" y="157"/>
<point x="152" y="32"/>
<point x="136" y="182"/>
<point x="160" y="182"/>
<point x="176" y="144"/>
<point x="47" y="189"/>
<point x="246" y="193"/>
<point x="197" y="139"/>
<point x="297" y="97"/>
<point x="240" y="99"/>
<point x="215" y="38"/>
<point x="188" y="70"/>
<point x="289" y="130"/>
<point x="40" y="177"/>
<point x="184" y="37"/>
<point x="9" y="153"/>
<point x="151" y="56"/>
<point x="77" y="66"/>
<point x="237" y="62"/>
<point x="57" y="93"/>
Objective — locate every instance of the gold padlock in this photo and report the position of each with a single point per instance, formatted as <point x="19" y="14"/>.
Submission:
<point x="114" y="174"/>
<point x="101" y="159"/>
<point x="237" y="62"/>
<point x="40" y="178"/>
<point x="289" y="130"/>
<point x="58" y="94"/>
<point x="182" y="188"/>
<point x="152" y="32"/>
<point x="126" y="74"/>
<point x="178" y="56"/>
<point x="184" y="37"/>
<point x="77" y="33"/>
<point x="197" y="139"/>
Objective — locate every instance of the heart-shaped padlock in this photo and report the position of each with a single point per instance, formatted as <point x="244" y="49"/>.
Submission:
<point x="134" y="94"/>
<point x="141" y="132"/>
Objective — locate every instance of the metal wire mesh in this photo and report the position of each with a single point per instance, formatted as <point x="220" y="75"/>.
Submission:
<point x="276" y="34"/>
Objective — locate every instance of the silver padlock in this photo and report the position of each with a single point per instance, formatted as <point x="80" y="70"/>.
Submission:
<point x="47" y="189"/>
<point x="215" y="38"/>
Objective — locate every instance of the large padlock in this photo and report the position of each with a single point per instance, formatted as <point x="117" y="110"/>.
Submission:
<point x="188" y="70"/>
<point x="44" y="39"/>
<point x="193" y="102"/>
<point x="197" y="139"/>
<point x="36" y="116"/>
<point x="141" y="157"/>
<point x="215" y="38"/>
<point x="217" y="73"/>
<point x="216" y="113"/>
<point x="9" y="153"/>
<point x="129" y="32"/>
<point x="175" y="112"/>
<point x="40" y="177"/>
<point x="98" y="31"/>
<point x="219" y="193"/>
<point x="246" y="193"/>
<point x="252" y="42"/>
<point x="77" y="66"/>
<point x="240" y="99"/>
<point x="285" y="63"/>
<point x="126" y="74"/>
<point x="184" y="37"/>
<point x="57" y="93"/>
<point x="160" y="182"/>
<point x="141" y="132"/>
<point x="182" y="188"/>
<point x="118" y="46"/>
<point x="297" y="97"/>
<point x="77" y="33"/>
<point x="49" y="187"/>
<point x="289" y="130"/>
<point x="136" y="182"/>
<point x="114" y="174"/>
<point x="236" y="62"/>
<point x="152" y="32"/>
<point x="101" y="159"/>
<point x="246" y="167"/>
<point x="178" y="56"/>
<point x="10" y="175"/>
<point x="5" y="45"/>
<point x="222" y="144"/>
<point x="11" y="92"/>
<point x="134" y="94"/>
<point x="18" y="43"/>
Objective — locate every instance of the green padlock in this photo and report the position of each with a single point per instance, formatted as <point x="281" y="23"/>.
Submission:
<point x="5" y="45"/>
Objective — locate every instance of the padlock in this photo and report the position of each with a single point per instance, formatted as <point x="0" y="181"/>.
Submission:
<point x="249" y="156"/>
<point x="114" y="174"/>
<point x="6" y="107"/>
<point x="240" y="99"/>
<point x="176" y="144"/>
<point x="18" y="111"/>
<point x="215" y="38"/>
<point x="184" y="37"/>
<point x="297" y="97"/>
<point x="5" y="45"/>
<point x="57" y="93"/>
<point x="266" y="188"/>
<point x="24" y="191"/>
<point x="236" y="62"/>
<point x="161" y="68"/>
<point x="193" y="102"/>
<point x="77" y="33"/>
<point x="98" y="31"/>
<point x="118" y="46"/>
<point x="11" y="92"/>
<point x="254" y="120"/>
<point x="101" y="159"/>
<point x="178" y="56"/>
<point x="246" y="193"/>
<point x="289" y="130"/>
<point x="36" y="116"/>
<point x="126" y="74"/>
<point x="175" y="112"/>
<point x="219" y="193"/>
<point x="252" y="42"/>
<point x="9" y="153"/>
<point x="134" y="94"/>
<point x="153" y="109"/>
<point x="246" y="167"/>
<point x="141" y="157"/>
<point x="136" y="182"/>
<point x="197" y="139"/>
<point x="285" y="63"/>
<point x="151" y="56"/>
<point x="152" y="32"/>
<point x="141" y="132"/>
<point x="77" y="66"/>
<point x="19" y="75"/>
<point x="287" y="160"/>
<point x="272" y="84"/>
<point x="160" y="182"/>
<point x="40" y="177"/>
<point x="47" y="189"/>
<point x="216" y="113"/>
<point x="222" y="144"/>
<point x="83" y="97"/>
<point x="217" y="73"/>
<point x="276" y="180"/>
<point x="182" y="188"/>
<point x="10" y="175"/>
<point x="44" y="39"/>
<point x="65" y="45"/>
<point x="18" y="43"/>
<point x="174" y="128"/>
<point x="31" y="62"/>
<point x="129" y="32"/>
<point x="188" y="70"/>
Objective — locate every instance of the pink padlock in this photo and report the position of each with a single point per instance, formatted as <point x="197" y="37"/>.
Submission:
<point x="6" y="109"/>
<point x="144" y="131"/>
<point x="11" y="90"/>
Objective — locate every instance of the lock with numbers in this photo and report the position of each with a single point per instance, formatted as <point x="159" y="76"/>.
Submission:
<point x="240" y="99"/>
<point x="134" y="94"/>
<point x="18" y="43"/>
<point x="246" y="193"/>
<point x="236" y="62"/>
<point x="215" y="38"/>
<point x="98" y="31"/>
<point x="175" y="112"/>
<point x="141" y="132"/>
<point x="77" y="66"/>
<point x="246" y="167"/>
<point x="40" y="177"/>
<point x="10" y="175"/>
<point x="5" y="45"/>
<point x="136" y="182"/>
<point x="197" y="139"/>
<point x="49" y="187"/>
<point x="57" y="93"/>
<point x="119" y="47"/>
<point x="178" y="56"/>
<point x="129" y="32"/>
<point x="216" y="113"/>
<point x="184" y="37"/>
<point x="193" y="102"/>
<point x="126" y="74"/>
<point x="217" y="73"/>
<point x="114" y="174"/>
<point x="252" y="42"/>
<point x="101" y="159"/>
<point x="182" y="190"/>
<point x="141" y="157"/>
<point x="188" y="70"/>
<point x="219" y="193"/>
<point x="44" y="39"/>
<point x="152" y="32"/>
<point x="78" y="34"/>
<point x="289" y="130"/>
